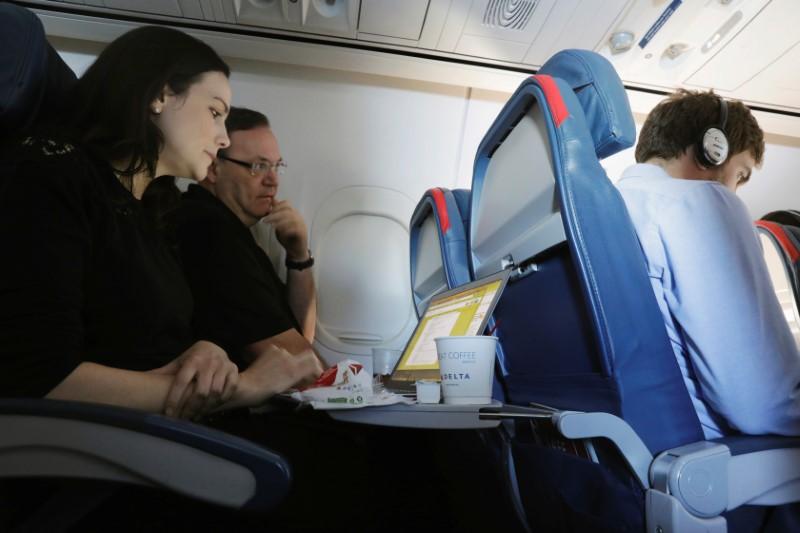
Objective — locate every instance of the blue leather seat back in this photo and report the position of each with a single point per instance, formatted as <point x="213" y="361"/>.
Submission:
<point x="438" y="245"/>
<point x="34" y="78"/>
<point x="607" y="112"/>
<point x="578" y="323"/>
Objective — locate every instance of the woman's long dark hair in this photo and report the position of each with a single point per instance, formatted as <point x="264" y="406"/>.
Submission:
<point x="111" y="101"/>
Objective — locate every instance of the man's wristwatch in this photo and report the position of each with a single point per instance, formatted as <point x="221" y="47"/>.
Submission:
<point x="300" y="265"/>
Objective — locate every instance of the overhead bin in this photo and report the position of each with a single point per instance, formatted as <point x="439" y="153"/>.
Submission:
<point x="382" y="17"/>
<point x="328" y="17"/>
<point x="527" y="31"/>
<point x="745" y="49"/>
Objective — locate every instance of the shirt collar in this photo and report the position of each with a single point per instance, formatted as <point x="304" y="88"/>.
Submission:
<point x="201" y="194"/>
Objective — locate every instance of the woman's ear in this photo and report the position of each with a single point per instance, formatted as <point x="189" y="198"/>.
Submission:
<point x="160" y="102"/>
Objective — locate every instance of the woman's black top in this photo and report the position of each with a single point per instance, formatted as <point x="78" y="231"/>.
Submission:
<point x="84" y="274"/>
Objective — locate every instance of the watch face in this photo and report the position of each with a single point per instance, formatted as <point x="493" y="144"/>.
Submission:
<point x="715" y="145"/>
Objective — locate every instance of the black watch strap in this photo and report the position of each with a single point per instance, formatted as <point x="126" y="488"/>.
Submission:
<point x="300" y="265"/>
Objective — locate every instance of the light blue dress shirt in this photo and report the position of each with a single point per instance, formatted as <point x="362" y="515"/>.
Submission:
<point x="705" y="262"/>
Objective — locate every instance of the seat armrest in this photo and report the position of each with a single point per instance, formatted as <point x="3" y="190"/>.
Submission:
<point x="578" y="426"/>
<point x="708" y="479"/>
<point x="575" y="425"/>
<point x="80" y="440"/>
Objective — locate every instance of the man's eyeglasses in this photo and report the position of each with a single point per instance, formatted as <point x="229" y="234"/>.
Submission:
<point x="259" y="168"/>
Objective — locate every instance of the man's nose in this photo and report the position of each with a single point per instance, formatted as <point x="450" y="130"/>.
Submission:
<point x="271" y="178"/>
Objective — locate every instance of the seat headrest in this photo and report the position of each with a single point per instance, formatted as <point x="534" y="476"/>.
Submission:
<point x="601" y="95"/>
<point x="788" y="217"/>
<point x="34" y="78"/>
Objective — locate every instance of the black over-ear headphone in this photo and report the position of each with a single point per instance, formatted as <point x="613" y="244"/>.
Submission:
<point x="712" y="147"/>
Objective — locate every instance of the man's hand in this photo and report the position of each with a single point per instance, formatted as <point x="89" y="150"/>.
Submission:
<point x="290" y="230"/>
<point x="204" y="378"/>
<point x="276" y="370"/>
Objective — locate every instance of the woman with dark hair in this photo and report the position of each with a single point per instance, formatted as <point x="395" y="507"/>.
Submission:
<point x="93" y="305"/>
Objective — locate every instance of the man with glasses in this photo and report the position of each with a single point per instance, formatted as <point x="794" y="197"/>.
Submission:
<point x="240" y="302"/>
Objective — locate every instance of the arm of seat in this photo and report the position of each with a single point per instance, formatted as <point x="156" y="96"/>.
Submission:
<point x="70" y="439"/>
<point x="710" y="477"/>
<point x="576" y="425"/>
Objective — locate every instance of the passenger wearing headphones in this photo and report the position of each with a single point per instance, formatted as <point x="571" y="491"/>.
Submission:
<point x="733" y="345"/>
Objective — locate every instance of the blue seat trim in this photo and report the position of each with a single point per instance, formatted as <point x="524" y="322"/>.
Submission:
<point x="742" y="444"/>
<point x="271" y="471"/>
<point x="605" y="105"/>
<point x="452" y="242"/>
<point x="631" y="349"/>
<point x="34" y="78"/>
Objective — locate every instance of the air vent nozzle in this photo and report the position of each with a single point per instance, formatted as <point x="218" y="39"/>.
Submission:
<point x="509" y="14"/>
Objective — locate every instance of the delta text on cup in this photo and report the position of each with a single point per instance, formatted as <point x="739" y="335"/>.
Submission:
<point x="466" y="365"/>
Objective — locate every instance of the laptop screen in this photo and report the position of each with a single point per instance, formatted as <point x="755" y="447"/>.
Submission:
<point x="464" y="310"/>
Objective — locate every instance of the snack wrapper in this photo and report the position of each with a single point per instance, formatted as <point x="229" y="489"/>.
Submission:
<point x="345" y="386"/>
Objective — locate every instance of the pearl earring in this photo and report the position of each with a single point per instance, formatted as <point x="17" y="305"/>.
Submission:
<point x="157" y="111"/>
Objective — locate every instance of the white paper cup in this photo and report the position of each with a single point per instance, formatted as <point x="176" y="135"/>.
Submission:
<point x="466" y="365"/>
<point x="428" y="391"/>
<point x="384" y="360"/>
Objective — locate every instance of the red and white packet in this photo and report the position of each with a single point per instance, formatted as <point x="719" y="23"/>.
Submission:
<point x="344" y="385"/>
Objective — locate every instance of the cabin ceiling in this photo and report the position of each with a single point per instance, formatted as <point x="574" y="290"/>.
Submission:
<point x="747" y="49"/>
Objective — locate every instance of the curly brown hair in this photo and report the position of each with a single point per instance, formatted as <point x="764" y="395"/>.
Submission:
<point x="677" y="123"/>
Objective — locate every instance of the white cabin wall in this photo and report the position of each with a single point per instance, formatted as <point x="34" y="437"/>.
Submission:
<point x="340" y="129"/>
<point x="367" y="129"/>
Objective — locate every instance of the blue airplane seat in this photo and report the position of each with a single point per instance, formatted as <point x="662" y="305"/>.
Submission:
<point x="590" y="375"/>
<point x="785" y="239"/>
<point x="780" y="242"/>
<point x="787" y="217"/>
<point x="52" y="439"/>
<point x="463" y="198"/>
<point x="438" y="242"/>
<point x="34" y="78"/>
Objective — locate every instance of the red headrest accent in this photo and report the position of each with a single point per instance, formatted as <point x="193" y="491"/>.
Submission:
<point x="441" y="209"/>
<point x="553" y="96"/>
<point x="779" y="233"/>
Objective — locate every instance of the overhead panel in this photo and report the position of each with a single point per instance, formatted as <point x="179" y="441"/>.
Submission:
<point x="161" y="7"/>
<point x="384" y="17"/>
<point x="776" y="85"/>
<point x="672" y="41"/>
<point x="575" y="24"/>
<point x="191" y="9"/>
<point x="327" y="17"/>
<point x="766" y="72"/>
<point x="527" y="31"/>
<point x="502" y="29"/>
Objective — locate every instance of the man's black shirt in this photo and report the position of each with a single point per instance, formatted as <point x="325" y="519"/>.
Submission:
<point x="239" y="299"/>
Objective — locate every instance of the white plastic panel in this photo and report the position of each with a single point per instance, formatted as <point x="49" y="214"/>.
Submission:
<point x="382" y="17"/>
<point x="676" y="50"/>
<point x="781" y="283"/>
<point x="740" y="61"/>
<point x="430" y="276"/>
<point x="208" y="10"/>
<point x="487" y="33"/>
<point x="777" y="84"/>
<point x="359" y="238"/>
<point x="518" y="214"/>
<point x="332" y="17"/>
<point x="161" y="7"/>
<point x="527" y="31"/>
<point x="191" y="9"/>
<point x="574" y="24"/>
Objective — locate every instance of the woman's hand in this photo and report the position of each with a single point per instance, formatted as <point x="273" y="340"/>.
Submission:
<point x="276" y="370"/>
<point x="204" y="378"/>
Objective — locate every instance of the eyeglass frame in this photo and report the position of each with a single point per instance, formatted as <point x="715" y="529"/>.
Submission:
<point x="279" y="168"/>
